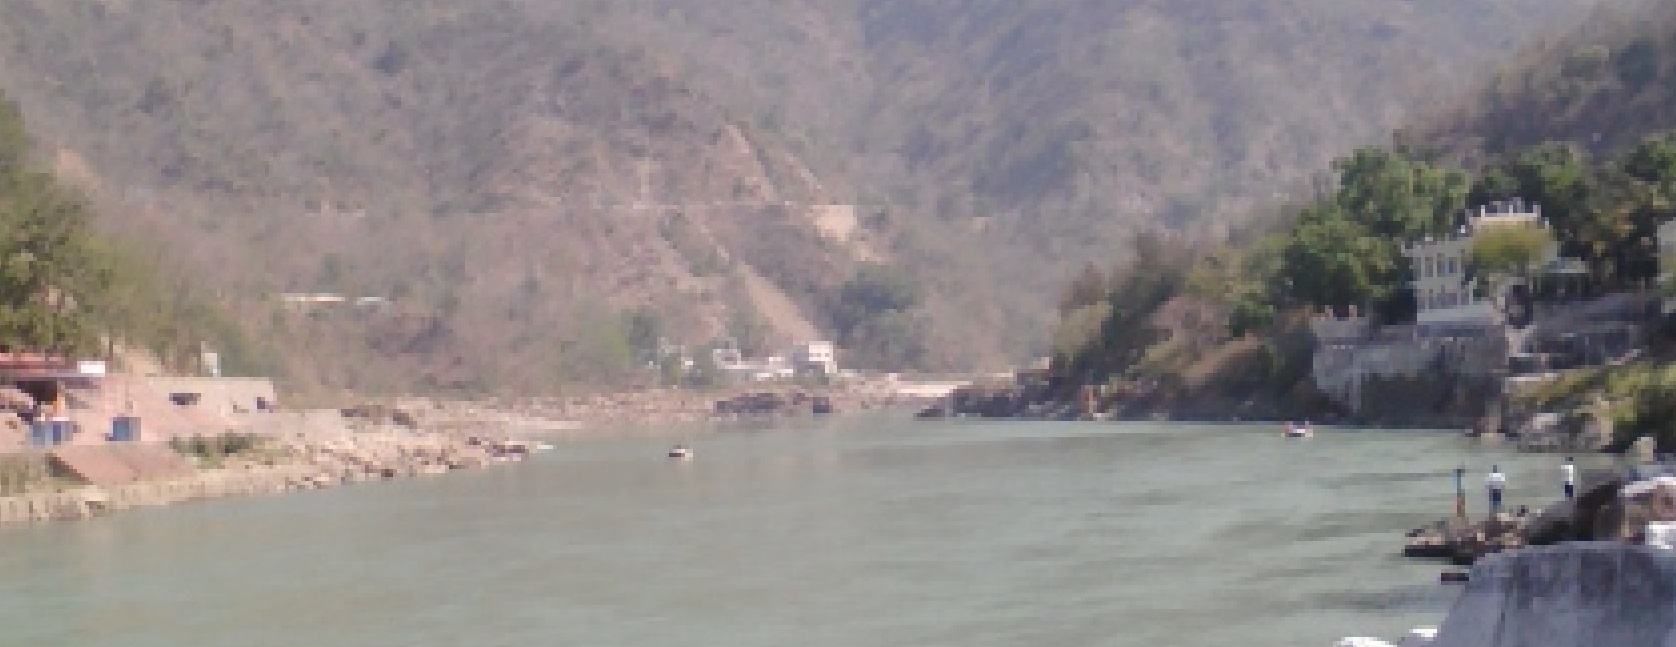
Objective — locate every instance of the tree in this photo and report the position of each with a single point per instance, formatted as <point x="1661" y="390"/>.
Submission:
<point x="874" y="304"/>
<point x="1088" y="288"/>
<point x="889" y="340"/>
<point x="642" y="329"/>
<point x="48" y="270"/>
<point x="1080" y="327"/>
<point x="1396" y="196"/>
<point x="1333" y="262"/>
<point x="1653" y="160"/>
<point x="1122" y="325"/>
<point x="14" y="140"/>
<point x="1510" y="249"/>
<point x="1556" y="176"/>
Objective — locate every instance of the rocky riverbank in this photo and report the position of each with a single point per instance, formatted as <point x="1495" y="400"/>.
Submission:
<point x="300" y="461"/>
<point x="414" y="437"/>
<point x="1462" y="543"/>
<point x="1611" y="505"/>
<point x="656" y="406"/>
<point x="90" y="501"/>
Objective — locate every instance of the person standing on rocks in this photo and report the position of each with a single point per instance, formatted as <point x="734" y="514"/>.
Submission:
<point x="1496" y="482"/>
<point x="1568" y="474"/>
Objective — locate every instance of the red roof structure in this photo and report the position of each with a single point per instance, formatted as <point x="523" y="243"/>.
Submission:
<point x="16" y="367"/>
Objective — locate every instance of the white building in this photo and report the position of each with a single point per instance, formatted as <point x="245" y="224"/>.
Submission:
<point x="1442" y="289"/>
<point x="726" y="353"/>
<point x="1458" y="327"/>
<point x="1667" y="264"/>
<point x="767" y="369"/>
<point x="817" y="357"/>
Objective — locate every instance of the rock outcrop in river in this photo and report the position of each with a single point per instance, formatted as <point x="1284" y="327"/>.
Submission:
<point x="1611" y="505"/>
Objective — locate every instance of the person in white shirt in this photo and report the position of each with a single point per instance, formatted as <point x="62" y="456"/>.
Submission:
<point x="1496" y="482"/>
<point x="1568" y="473"/>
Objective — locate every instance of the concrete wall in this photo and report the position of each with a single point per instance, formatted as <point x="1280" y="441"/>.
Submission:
<point x="1340" y="369"/>
<point x="88" y="502"/>
<point x="223" y="394"/>
<point x="160" y="419"/>
<point x="1570" y="595"/>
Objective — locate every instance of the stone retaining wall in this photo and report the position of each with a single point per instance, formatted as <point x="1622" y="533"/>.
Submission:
<point x="305" y="463"/>
<point x="89" y="501"/>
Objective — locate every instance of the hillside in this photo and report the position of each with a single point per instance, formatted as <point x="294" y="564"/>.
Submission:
<point x="1583" y="125"/>
<point x="66" y="289"/>
<point x="525" y="180"/>
<point x="464" y="164"/>
<point x="1061" y="116"/>
<point x="1602" y="86"/>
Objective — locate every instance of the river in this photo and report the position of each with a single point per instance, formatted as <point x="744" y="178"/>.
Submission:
<point x="855" y="532"/>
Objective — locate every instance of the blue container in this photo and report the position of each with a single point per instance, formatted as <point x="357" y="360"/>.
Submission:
<point x="49" y="433"/>
<point x="125" y="429"/>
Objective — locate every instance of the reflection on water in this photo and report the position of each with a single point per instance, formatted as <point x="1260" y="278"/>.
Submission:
<point x="850" y="532"/>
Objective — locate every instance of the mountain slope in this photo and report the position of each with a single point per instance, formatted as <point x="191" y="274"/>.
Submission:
<point x="483" y="171"/>
<point x="522" y="177"/>
<point x="1075" y="110"/>
<point x="1030" y="137"/>
<point x="1604" y="86"/>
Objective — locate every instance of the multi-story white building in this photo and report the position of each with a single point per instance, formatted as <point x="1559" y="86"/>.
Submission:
<point x="1667" y="264"/>
<point x="1442" y="287"/>
<point x="1458" y="327"/>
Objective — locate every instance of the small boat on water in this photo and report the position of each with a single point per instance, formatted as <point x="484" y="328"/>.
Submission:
<point x="1294" y="430"/>
<point x="681" y="452"/>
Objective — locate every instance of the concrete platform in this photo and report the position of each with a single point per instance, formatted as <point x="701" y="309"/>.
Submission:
<point x="116" y="464"/>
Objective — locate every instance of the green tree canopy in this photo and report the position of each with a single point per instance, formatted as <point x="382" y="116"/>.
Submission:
<point x="1653" y="160"/>
<point x="1334" y="262"/>
<point x="1510" y="249"/>
<point x="874" y="290"/>
<point x="873" y="315"/>
<point x="50" y="272"/>
<point x="1088" y="288"/>
<point x="1397" y="196"/>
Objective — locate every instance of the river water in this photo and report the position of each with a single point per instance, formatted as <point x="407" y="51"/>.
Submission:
<point x="857" y="532"/>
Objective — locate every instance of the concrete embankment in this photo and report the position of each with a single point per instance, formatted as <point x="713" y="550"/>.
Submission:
<point x="1571" y="595"/>
<point x="90" y="501"/>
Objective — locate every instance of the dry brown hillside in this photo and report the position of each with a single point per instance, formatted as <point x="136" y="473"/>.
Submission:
<point x="1603" y="86"/>
<point x="530" y="182"/>
<point x="488" y="174"/>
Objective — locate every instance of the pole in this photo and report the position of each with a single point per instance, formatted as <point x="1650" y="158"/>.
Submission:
<point x="1460" y="493"/>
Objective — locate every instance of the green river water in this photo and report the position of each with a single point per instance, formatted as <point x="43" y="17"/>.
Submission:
<point x="853" y="532"/>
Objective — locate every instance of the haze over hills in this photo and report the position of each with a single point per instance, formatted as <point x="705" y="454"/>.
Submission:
<point x="1603" y="86"/>
<point x="538" y="186"/>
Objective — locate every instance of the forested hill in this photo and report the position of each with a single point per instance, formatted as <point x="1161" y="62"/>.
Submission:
<point x="1059" y="127"/>
<point x="1584" y="126"/>
<point x="1603" y="86"/>
<point x="543" y="188"/>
